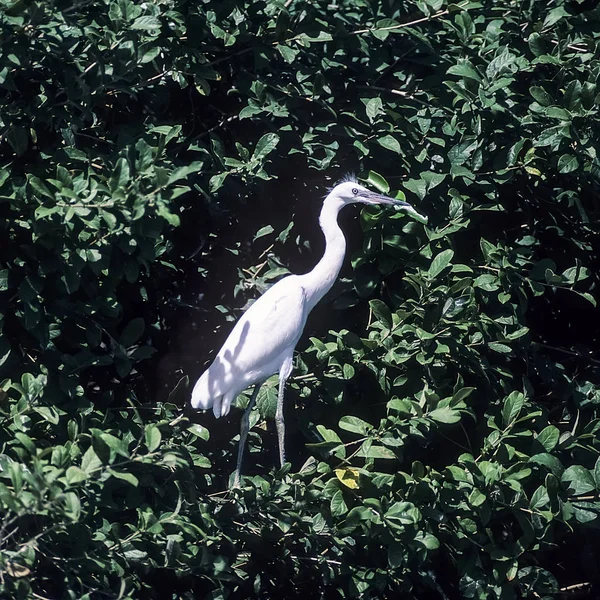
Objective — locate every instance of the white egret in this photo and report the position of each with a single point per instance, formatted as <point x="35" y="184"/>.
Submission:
<point x="263" y="340"/>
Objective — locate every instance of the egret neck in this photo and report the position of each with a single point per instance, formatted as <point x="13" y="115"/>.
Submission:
<point x="319" y="281"/>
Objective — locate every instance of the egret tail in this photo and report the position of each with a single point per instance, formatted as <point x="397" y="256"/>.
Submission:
<point x="203" y="397"/>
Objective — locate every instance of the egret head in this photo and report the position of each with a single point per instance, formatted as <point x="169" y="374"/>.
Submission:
<point x="350" y="192"/>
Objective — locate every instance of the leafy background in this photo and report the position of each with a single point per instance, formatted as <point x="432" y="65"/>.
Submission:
<point x="162" y="163"/>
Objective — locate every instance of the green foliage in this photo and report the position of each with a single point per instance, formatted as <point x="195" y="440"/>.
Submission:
<point x="447" y="443"/>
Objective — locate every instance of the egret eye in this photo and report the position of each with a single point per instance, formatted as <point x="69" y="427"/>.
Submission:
<point x="355" y="191"/>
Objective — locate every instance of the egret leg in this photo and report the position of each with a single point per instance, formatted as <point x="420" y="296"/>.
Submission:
<point x="245" y="426"/>
<point x="279" y="422"/>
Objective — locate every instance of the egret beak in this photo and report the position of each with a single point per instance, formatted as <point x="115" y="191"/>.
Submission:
<point x="369" y="197"/>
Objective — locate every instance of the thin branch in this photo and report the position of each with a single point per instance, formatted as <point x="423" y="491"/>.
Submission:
<point x="404" y="94"/>
<point x="569" y="352"/>
<point x="220" y="124"/>
<point x="92" y="65"/>
<point x="108" y="204"/>
<point x="575" y="586"/>
<point x="437" y="15"/>
<point x="316" y="559"/>
<point x="570" y="46"/>
<point x="149" y="81"/>
<point x="225" y="58"/>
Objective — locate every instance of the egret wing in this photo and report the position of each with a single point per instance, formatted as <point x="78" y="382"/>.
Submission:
<point x="269" y="329"/>
<point x="256" y="348"/>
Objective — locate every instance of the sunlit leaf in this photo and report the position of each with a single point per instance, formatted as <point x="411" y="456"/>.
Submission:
<point x="349" y="477"/>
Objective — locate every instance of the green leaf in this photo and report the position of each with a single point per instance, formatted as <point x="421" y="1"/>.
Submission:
<point x="124" y="476"/>
<point x="541" y="95"/>
<point x="539" y="498"/>
<point x="75" y="475"/>
<point x="416" y="186"/>
<point x="49" y="413"/>
<point x="445" y="415"/>
<point x="152" y="436"/>
<point x="428" y="540"/>
<point x="328" y="434"/>
<point x="439" y="263"/>
<point x="404" y="512"/>
<point x="348" y="371"/>
<point x="374" y="107"/>
<point x="554" y="16"/>
<point x="390" y="143"/>
<point x="338" y="506"/>
<point x="354" y="425"/>
<point x="146" y="23"/>
<point x="369" y="450"/>
<point x="567" y="163"/>
<point x="150" y="54"/>
<point x="170" y="132"/>
<point x="120" y="176"/>
<point x="265" y="145"/>
<point x="572" y="98"/>
<point x="90" y="461"/>
<point x="266" y="230"/>
<point x="477" y="498"/>
<point x="548" y="438"/>
<point x="72" y="505"/>
<point x="288" y="54"/>
<point x="381" y="312"/>
<point x="114" y="443"/>
<point x="536" y="44"/>
<point x="40" y="187"/>
<point x="378" y="182"/>
<point x="549" y="461"/>
<point x="498" y="347"/>
<point x="465" y="69"/>
<point x="512" y="408"/>
<point x="579" y="480"/>
<point x="462" y="394"/>
<point x="597" y="473"/>
<point x="199" y="431"/>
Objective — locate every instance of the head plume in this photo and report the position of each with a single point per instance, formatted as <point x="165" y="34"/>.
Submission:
<point x="347" y="178"/>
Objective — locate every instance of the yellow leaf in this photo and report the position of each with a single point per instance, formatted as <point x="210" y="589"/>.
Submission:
<point x="348" y="476"/>
<point x="16" y="570"/>
<point x="533" y="171"/>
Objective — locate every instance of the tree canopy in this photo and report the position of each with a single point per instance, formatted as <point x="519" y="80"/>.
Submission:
<point x="162" y="163"/>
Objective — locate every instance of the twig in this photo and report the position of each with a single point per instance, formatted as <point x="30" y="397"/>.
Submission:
<point x="149" y="81"/>
<point x="402" y="93"/>
<point x="108" y="204"/>
<point x="569" y="352"/>
<point x="315" y="559"/>
<point x="570" y="46"/>
<point x="92" y="65"/>
<point x="266" y="251"/>
<point x="576" y="586"/>
<point x="409" y="24"/>
<point x="224" y="58"/>
<point x="220" y="124"/>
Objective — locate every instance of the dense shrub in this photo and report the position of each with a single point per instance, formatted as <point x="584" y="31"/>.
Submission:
<point x="163" y="162"/>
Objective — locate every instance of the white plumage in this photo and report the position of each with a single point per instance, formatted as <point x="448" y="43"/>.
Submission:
<point x="260" y="345"/>
<point x="263" y="340"/>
